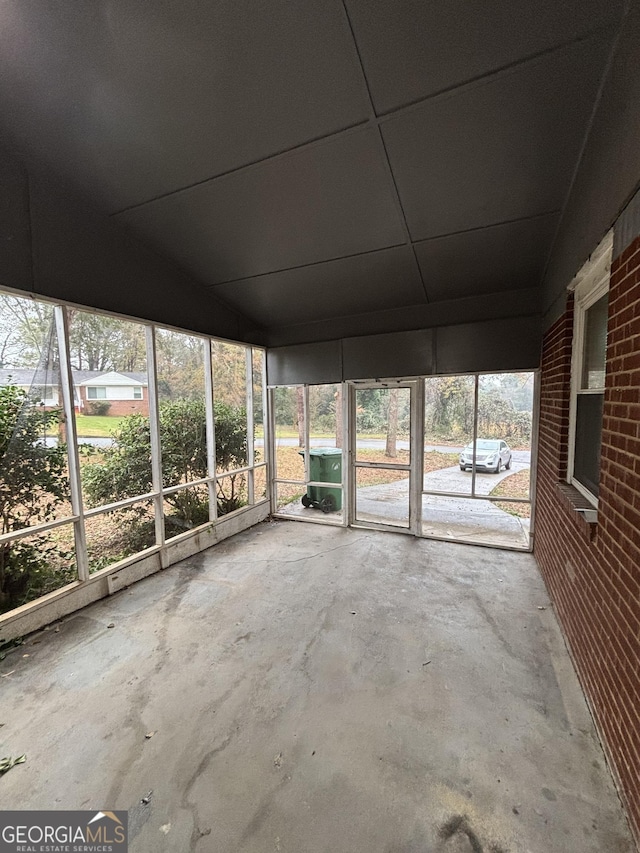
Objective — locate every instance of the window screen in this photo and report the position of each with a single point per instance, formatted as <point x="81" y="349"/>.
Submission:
<point x="595" y="345"/>
<point x="590" y="397"/>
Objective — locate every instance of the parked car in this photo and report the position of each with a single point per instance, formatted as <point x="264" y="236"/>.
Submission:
<point x="491" y="455"/>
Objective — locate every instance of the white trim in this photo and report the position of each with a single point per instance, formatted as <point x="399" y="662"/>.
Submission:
<point x="73" y="459"/>
<point x="597" y="267"/>
<point x="112" y="378"/>
<point x="589" y="285"/>
<point x="84" y="589"/>
<point x="414" y="468"/>
<point x="154" y="433"/>
<point x="209" y="399"/>
<point x="251" y="456"/>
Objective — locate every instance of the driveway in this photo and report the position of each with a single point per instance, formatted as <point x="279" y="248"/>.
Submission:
<point x="443" y="516"/>
<point x="523" y="456"/>
<point x="454" y="480"/>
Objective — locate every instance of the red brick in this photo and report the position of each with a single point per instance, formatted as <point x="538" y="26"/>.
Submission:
<point x="600" y="608"/>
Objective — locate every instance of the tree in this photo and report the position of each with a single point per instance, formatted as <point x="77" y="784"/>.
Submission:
<point x="300" y="415"/>
<point x="284" y="404"/>
<point x="229" y="372"/>
<point x="180" y="365"/>
<point x="338" y="416"/>
<point x="33" y="483"/>
<point x="392" y="425"/>
<point x="26" y="330"/>
<point x="449" y="407"/>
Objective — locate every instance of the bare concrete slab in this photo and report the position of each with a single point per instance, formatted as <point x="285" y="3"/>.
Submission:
<point x="310" y="689"/>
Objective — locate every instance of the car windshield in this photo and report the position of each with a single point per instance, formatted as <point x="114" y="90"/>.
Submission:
<point x="484" y="444"/>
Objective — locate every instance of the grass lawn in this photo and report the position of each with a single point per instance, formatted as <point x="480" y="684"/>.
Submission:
<point x="290" y="466"/>
<point x="514" y="486"/>
<point x="97" y="426"/>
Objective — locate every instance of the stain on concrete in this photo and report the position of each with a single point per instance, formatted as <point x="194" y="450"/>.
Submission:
<point x="398" y="746"/>
<point x="458" y="826"/>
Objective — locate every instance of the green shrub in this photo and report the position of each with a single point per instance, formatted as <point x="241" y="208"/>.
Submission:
<point x="33" y="482"/>
<point x="98" y="407"/>
<point x="125" y="469"/>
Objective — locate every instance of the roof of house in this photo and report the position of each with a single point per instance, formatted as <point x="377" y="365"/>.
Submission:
<point x="30" y="376"/>
<point x="111" y="377"/>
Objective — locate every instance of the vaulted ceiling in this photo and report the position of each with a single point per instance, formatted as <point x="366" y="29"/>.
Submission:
<point x="314" y="161"/>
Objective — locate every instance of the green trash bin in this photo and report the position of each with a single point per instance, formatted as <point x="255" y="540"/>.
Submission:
<point x="325" y="466"/>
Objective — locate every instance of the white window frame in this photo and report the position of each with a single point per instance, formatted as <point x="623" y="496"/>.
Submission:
<point x="175" y="548"/>
<point x="589" y="285"/>
<point x="95" y="395"/>
<point x="137" y="392"/>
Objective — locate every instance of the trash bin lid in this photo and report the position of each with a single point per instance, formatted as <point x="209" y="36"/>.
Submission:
<point x="325" y="451"/>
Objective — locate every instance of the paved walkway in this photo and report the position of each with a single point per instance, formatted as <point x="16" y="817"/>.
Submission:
<point x="458" y="518"/>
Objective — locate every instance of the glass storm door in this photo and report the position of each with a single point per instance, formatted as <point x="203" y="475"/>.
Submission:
<point x="383" y="462"/>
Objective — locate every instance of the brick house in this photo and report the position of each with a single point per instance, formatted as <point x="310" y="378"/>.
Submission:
<point x="125" y="392"/>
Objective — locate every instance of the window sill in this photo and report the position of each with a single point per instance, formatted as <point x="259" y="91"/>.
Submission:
<point x="582" y="510"/>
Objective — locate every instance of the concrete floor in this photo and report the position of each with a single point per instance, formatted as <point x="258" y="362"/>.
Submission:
<point x="311" y="690"/>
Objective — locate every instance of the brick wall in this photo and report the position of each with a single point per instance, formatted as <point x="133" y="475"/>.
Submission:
<point x="125" y="407"/>
<point x="118" y="407"/>
<point x="593" y="570"/>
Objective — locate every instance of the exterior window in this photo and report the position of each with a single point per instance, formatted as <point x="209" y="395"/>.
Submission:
<point x="588" y="369"/>
<point x="137" y="392"/>
<point x="96" y="393"/>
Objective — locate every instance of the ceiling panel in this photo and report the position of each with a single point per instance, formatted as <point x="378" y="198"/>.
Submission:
<point x="16" y="264"/>
<point x="325" y="201"/>
<point x="412" y="48"/>
<point x="489" y="260"/>
<point x="138" y="99"/>
<point x="515" y="303"/>
<point x="357" y="285"/>
<point x="501" y="150"/>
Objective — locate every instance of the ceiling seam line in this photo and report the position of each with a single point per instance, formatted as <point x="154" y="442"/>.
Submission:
<point x="501" y="224"/>
<point x="401" y="212"/>
<point x="285" y="152"/>
<point x="596" y="104"/>
<point x="389" y="169"/>
<point x="307" y="266"/>
<point x="489" y="76"/>
<point x="383" y="249"/>
<point x="438" y="325"/>
<point x="377" y="311"/>
<point x="365" y="80"/>
<point x="374" y="119"/>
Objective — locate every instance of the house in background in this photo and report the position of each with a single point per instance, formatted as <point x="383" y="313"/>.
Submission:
<point x="43" y="382"/>
<point x="126" y="393"/>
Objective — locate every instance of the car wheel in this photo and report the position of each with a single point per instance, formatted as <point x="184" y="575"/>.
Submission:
<point x="462" y="468"/>
<point x="496" y="470"/>
<point x="508" y="465"/>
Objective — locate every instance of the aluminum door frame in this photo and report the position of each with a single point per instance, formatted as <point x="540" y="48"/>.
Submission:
<point x="415" y="467"/>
